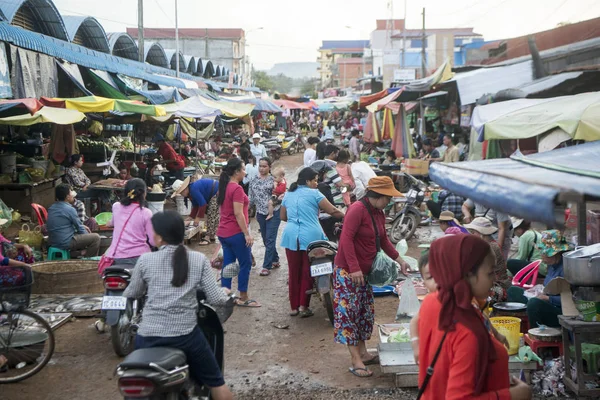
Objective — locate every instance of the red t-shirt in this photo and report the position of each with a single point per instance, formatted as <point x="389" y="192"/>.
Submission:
<point x="357" y="248"/>
<point x="280" y="188"/>
<point x="454" y="371"/>
<point x="228" y="225"/>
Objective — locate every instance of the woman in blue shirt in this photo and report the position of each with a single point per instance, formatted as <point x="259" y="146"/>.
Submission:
<point x="204" y="203"/>
<point x="300" y="208"/>
<point x="544" y="309"/>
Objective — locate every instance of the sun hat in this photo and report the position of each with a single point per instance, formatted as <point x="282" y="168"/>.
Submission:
<point x="446" y="216"/>
<point x="552" y="243"/>
<point x="516" y="222"/>
<point x="383" y="185"/>
<point x="482" y="225"/>
<point x="179" y="186"/>
<point x="256" y="136"/>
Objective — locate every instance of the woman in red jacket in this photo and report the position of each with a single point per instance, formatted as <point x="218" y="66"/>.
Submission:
<point x="353" y="296"/>
<point x="470" y="362"/>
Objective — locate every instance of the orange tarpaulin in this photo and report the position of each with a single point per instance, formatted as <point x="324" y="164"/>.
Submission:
<point x="364" y="101"/>
<point x="292" y="105"/>
<point x="387" y="130"/>
<point x="372" y="132"/>
<point x="31" y="104"/>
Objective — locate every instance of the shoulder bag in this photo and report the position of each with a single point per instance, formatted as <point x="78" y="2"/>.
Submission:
<point x="106" y="261"/>
<point x="430" y="368"/>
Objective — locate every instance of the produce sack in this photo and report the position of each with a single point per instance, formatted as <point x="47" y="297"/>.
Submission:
<point x="33" y="238"/>
<point x="402" y="248"/>
<point x="384" y="270"/>
<point x="409" y="302"/>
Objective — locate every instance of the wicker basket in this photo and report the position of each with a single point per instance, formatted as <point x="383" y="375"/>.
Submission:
<point x="67" y="277"/>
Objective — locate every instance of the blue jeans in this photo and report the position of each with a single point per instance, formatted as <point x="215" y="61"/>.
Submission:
<point x="234" y="248"/>
<point x="268" y="231"/>
<point x="204" y="368"/>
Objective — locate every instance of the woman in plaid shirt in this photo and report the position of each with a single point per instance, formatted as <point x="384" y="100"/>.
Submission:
<point x="170" y="278"/>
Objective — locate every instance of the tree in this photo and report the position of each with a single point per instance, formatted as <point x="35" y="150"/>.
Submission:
<point x="263" y="81"/>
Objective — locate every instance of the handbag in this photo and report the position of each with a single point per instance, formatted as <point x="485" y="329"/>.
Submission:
<point x="33" y="238"/>
<point x="106" y="261"/>
<point x="383" y="270"/>
<point x="429" y="372"/>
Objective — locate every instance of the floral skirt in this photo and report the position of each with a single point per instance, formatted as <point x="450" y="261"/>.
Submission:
<point x="353" y="310"/>
<point x="11" y="276"/>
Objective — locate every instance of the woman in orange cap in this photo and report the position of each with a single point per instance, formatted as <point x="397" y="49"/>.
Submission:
<point x="363" y="235"/>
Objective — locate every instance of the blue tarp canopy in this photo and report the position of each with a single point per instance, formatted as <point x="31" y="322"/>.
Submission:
<point x="525" y="187"/>
<point x="262" y="105"/>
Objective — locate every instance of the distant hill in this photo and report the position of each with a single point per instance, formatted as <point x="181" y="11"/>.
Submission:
<point x="295" y="70"/>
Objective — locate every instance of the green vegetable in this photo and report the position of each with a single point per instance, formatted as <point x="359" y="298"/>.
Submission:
<point x="401" y="336"/>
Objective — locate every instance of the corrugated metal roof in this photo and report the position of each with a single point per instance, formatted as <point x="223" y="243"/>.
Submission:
<point x="170" y="53"/>
<point x="199" y="33"/>
<point x="155" y="54"/>
<point x="88" y="58"/>
<point x="122" y="45"/>
<point x="344" y="44"/>
<point x="548" y="82"/>
<point x="191" y="66"/>
<point x="474" y="84"/>
<point x="46" y="15"/>
<point x="90" y="31"/>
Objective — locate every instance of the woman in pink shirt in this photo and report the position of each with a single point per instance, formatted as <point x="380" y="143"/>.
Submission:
<point x="133" y="234"/>
<point x="233" y="232"/>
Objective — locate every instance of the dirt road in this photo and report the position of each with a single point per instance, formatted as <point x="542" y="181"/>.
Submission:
<point x="262" y="361"/>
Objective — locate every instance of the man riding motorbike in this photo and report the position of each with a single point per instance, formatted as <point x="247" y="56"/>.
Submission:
<point x="170" y="279"/>
<point x="330" y="185"/>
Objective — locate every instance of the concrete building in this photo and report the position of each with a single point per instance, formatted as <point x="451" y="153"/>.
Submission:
<point x="346" y="71"/>
<point x="397" y="61"/>
<point x="224" y="47"/>
<point x="331" y="52"/>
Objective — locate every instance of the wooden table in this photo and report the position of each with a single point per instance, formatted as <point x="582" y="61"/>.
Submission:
<point x="108" y="184"/>
<point x="20" y="196"/>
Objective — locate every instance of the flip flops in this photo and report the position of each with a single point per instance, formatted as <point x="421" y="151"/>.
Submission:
<point x="306" y="313"/>
<point x="354" y="372"/>
<point x="248" y="304"/>
<point x="265" y="272"/>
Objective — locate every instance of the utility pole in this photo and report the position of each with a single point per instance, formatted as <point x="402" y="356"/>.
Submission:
<point x="423" y="53"/>
<point x="404" y="38"/>
<point x="176" y="42"/>
<point x="141" y="31"/>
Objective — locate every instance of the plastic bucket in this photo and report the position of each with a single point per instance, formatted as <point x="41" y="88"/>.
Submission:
<point x="156" y="206"/>
<point x="8" y="163"/>
<point x="510" y="327"/>
<point x="181" y="208"/>
<point x="43" y="164"/>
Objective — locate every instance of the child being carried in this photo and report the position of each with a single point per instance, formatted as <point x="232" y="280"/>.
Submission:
<point x="279" y="189"/>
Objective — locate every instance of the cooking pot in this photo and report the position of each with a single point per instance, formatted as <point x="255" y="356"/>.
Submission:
<point x="582" y="266"/>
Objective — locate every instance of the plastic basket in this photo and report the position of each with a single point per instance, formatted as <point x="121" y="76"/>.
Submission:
<point x="18" y="296"/>
<point x="103" y="218"/>
<point x="511" y="328"/>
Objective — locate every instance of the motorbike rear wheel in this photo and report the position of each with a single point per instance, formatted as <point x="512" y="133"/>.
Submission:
<point x="293" y="149"/>
<point x="404" y="227"/>
<point x="122" y="335"/>
<point x="328" y="304"/>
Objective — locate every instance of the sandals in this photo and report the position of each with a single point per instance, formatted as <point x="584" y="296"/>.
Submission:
<point x="248" y="303"/>
<point x="306" y="313"/>
<point x="355" y="372"/>
<point x="294" y="313"/>
<point x="276" y="265"/>
<point x="265" y="272"/>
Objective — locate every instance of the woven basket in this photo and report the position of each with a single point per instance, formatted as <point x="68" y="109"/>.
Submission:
<point x="66" y="277"/>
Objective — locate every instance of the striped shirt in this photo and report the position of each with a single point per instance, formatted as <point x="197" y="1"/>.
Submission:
<point x="171" y="311"/>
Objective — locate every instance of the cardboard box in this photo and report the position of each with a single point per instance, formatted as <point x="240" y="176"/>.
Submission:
<point x="417" y="167"/>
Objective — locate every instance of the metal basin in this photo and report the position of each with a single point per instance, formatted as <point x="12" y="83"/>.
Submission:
<point x="582" y="266"/>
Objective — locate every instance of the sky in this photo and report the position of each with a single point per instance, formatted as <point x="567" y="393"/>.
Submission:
<point x="293" y="30"/>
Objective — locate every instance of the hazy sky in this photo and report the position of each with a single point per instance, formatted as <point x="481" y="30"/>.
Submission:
<point x="293" y="30"/>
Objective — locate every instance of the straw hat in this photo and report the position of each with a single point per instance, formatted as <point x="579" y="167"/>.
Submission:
<point x="179" y="186"/>
<point x="256" y="136"/>
<point x="446" y="216"/>
<point x="384" y="186"/>
<point x="482" y="225"/>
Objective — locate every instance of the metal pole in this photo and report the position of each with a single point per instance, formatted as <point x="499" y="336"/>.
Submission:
<point x="423" y="54"/>
<point x="404" y="38"/>
<point x="141" y="31"/>
<point x="176" y="42"/>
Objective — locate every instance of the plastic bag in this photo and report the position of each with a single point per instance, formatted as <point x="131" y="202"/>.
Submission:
<point x="384" y="270"/>
<point x="409" y="302"/>
<point x="402" y="249"/>
<point x="5" y="213"/>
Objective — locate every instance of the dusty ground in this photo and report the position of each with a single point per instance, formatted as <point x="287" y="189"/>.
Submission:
<point x="262" y="362"/>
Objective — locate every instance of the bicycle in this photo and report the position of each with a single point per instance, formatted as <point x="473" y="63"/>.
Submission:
<point x="26" y="339"/>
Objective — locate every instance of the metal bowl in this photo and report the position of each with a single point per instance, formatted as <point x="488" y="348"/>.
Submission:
<point x="508" y="306"/>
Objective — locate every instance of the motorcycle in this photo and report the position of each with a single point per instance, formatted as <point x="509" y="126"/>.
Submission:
<point x="321" y="255"/>
<point x="162" y="373"/>
<point x="274" y="150"/>
<point x="120" y="313"/>
<point x="292" y="144"/>
<point x="407" y="220"/>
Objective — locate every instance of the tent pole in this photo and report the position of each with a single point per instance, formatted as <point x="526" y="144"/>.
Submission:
<point x="581" y="223"/>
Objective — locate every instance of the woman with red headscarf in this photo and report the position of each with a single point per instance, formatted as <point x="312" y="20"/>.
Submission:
<point x="468" y="361"/>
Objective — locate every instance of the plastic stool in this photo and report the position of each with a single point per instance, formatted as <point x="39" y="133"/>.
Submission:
<point x="539" y="344"/>
<point x="54" y="253"/>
